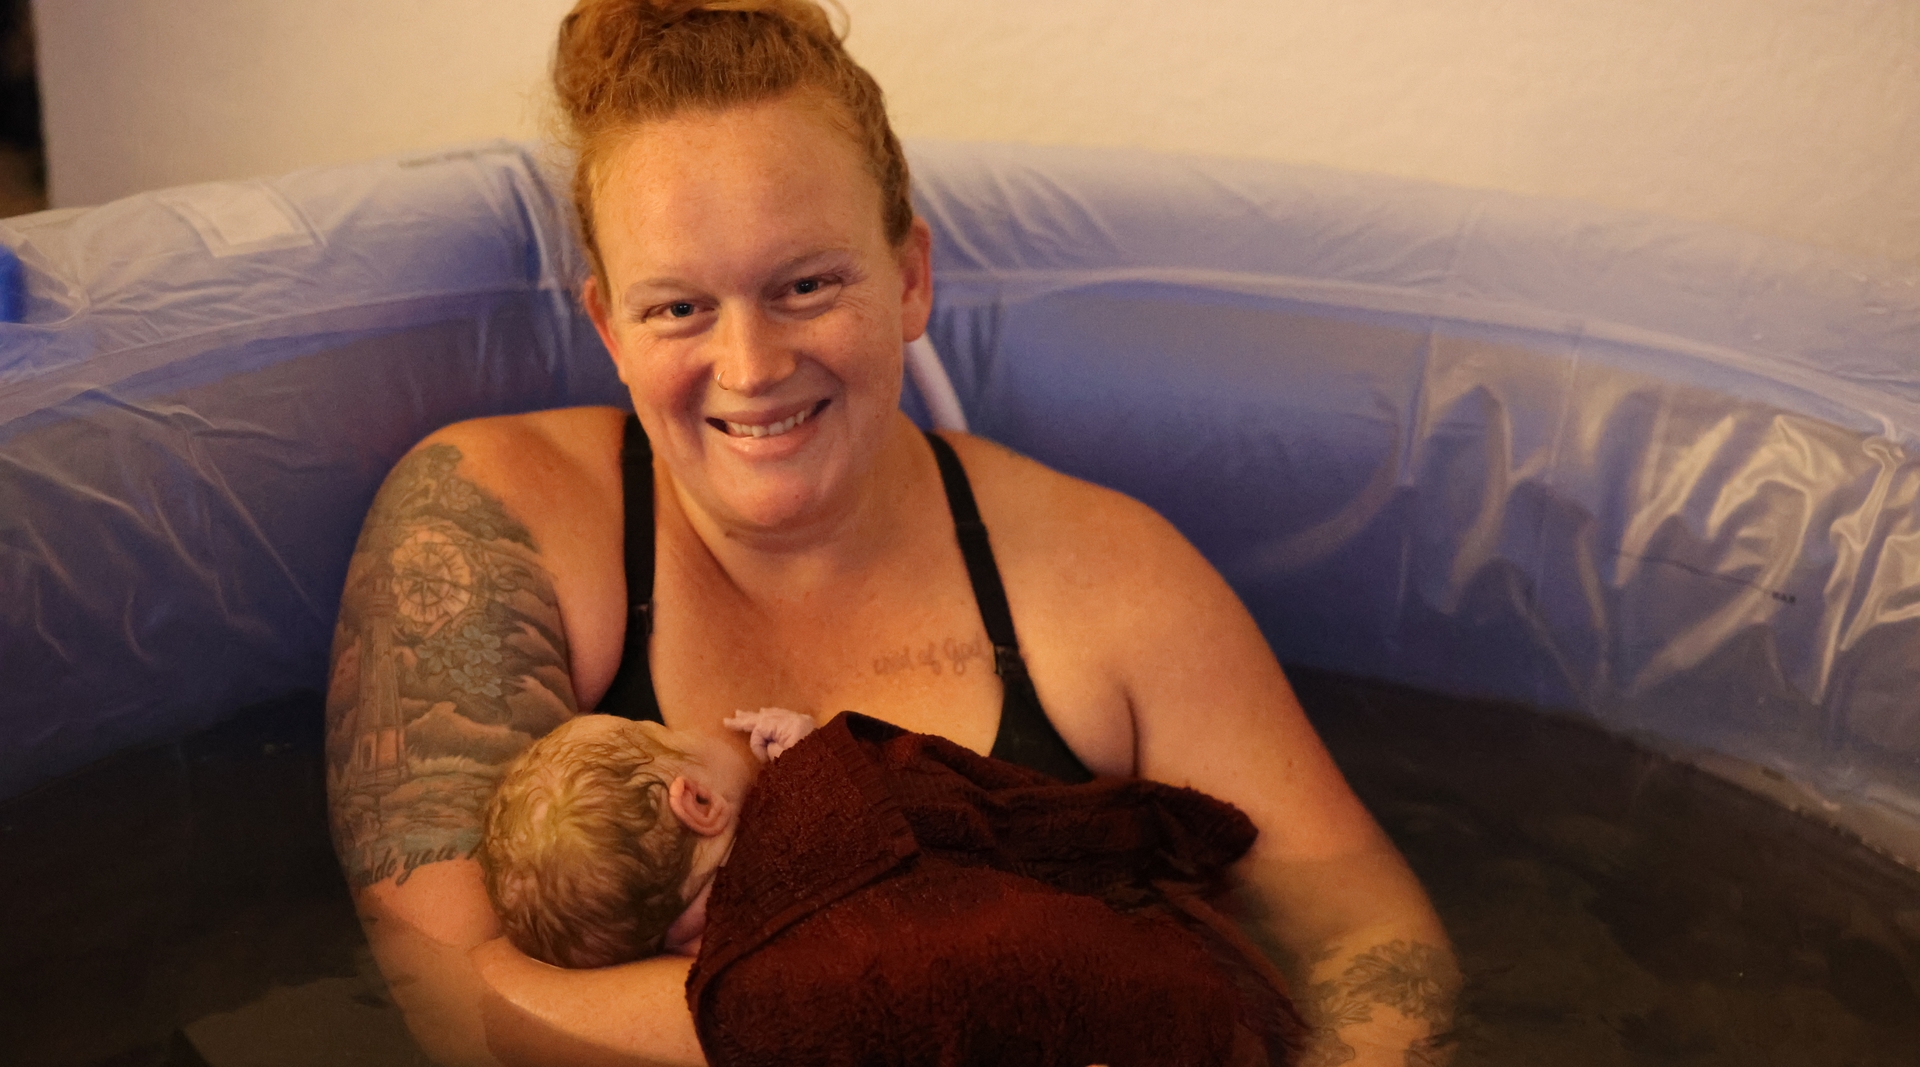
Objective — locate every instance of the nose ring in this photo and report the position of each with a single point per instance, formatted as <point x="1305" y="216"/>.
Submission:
<point x="717" y="380"/>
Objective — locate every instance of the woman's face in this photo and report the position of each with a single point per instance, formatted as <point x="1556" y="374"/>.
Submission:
<point x="755" y="309"/>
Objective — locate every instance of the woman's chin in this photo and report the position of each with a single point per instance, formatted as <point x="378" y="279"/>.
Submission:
<point x="775" y="495"/>
<point x="772" y="509"/>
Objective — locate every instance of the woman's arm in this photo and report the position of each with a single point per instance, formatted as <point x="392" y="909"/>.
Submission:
<point x="449" y="659"/>
<point x="633" y="1015"/>
<point x="470" y="997"/>
<point x="1323" y="888"/>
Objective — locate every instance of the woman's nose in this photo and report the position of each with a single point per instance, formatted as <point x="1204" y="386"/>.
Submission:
<point x="750" y="355"/>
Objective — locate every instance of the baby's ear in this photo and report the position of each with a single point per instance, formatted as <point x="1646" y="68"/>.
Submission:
<point x="699" y="807"/>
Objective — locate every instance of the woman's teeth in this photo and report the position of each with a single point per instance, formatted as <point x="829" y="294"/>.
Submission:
<point x="741" y="429"/>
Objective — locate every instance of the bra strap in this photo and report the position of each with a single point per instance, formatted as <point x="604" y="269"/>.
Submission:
<point x="631" y="695"/>
<point x="1025" y="735"/>
<point x="982" y="571"/>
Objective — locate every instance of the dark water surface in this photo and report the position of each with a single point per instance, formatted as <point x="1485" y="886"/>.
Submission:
<point x="1612" y="906"/>
<point x="181" y="905"/>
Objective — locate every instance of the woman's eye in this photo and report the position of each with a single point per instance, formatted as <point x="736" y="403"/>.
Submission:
<point x="821" y="285"/>
<point x="674" y="315"/>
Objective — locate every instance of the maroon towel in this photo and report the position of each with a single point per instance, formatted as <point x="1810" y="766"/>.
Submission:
<point x="895" y="899"/>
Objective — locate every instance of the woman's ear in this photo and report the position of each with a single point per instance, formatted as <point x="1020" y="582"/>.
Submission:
<point x="699" y="807"/>
<point x="594" y="297"/>
<point x="916" y="276"/>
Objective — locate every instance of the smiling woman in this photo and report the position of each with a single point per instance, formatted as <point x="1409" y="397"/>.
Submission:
<point x="756" y="309"/>
<point x="755" y="272"/>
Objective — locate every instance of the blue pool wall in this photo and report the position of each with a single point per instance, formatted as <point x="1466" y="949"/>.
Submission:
<point x="1648" y="472"/>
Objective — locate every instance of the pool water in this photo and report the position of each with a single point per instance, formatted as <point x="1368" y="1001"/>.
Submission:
<point x="1611" y="906"/>
<point x="181" y="906"/>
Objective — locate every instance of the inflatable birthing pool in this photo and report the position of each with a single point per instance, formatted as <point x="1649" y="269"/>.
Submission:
<point x="1656" y="476"/>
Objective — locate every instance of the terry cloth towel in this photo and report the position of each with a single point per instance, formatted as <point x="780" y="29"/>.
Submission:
<point x="892" y="898"/>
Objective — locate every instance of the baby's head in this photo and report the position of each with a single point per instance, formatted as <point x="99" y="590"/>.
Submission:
<point x="586" y="862"/>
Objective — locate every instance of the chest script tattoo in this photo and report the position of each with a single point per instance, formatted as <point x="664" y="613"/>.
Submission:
<point x="448" y="661"/>
<point x="954" y="654"/>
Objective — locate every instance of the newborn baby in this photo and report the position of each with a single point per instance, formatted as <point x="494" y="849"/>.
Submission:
<point x="602" y="841"/>
<point x="874" y="880"/>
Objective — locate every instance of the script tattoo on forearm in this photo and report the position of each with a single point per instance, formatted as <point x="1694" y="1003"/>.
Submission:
<point x="448" y="661"/>
<point x="1416" y="979"/>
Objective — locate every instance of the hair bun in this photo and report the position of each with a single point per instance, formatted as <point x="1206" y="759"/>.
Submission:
<point x="642" y="15"/>
<point x="806" y="14"/>
<point x="601" y="40"/>
<point x="621" y="63"/>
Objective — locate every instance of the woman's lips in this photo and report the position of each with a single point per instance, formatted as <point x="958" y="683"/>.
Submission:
<point x="768" y="429"/>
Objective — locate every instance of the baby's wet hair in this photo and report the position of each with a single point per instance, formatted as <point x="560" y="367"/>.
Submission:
<point x="584" y="861"/>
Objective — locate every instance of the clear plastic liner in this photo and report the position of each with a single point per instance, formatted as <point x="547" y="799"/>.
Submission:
<point x="1655" y="473"/>
<point x="204" y="391"/>
<point x="10" y="286"/>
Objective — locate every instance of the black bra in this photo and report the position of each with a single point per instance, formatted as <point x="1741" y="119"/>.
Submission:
<point x="1025" y="735"/>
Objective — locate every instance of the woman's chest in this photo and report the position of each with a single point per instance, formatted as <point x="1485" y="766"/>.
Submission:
<point x="908" y="647"/>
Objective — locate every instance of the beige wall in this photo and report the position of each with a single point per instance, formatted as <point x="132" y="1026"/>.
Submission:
<point x="1796" y="118"/>
<point x="141" y="94"/>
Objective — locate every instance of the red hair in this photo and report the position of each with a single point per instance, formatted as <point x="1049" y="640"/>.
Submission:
<point x="622" y="63"/>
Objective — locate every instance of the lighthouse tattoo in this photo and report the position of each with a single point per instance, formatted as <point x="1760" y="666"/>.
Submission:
<point x="448" y="662"/>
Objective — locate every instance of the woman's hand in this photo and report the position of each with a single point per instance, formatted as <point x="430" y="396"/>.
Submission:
<point x="771" y="731"/>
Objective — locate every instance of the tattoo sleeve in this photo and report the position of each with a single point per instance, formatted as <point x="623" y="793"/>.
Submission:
<point x="1418" y="981"/>
<point x="448" y="661"/>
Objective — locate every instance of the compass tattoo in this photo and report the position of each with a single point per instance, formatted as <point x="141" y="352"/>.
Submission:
<point x="448" y="661"/>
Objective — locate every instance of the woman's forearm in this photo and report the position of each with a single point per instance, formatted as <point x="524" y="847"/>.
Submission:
<point x="633" y="1015"/>
<point x="1370" y="968"/>
<point x="472" y="1000"/>
<point x="420" y="936"/>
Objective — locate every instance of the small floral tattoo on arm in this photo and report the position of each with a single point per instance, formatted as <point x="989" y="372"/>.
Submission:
<point x="1413" y="978"/>
<point x="1418" y="980"/>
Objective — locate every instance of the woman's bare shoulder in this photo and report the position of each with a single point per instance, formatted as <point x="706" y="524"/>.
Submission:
<point x="557" y="474"/>
<point x="1081" y="533"/>
<point x="530" y="451"/>
<point x="1117" y="602"/>
<point x="1111" y="573"/>
<point x="1094" y="579"/>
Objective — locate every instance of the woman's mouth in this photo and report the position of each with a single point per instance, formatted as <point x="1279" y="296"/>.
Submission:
<point x="768" y="429"/>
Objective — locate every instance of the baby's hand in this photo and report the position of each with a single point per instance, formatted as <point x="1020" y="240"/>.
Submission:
<point x="771" y="730"/>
